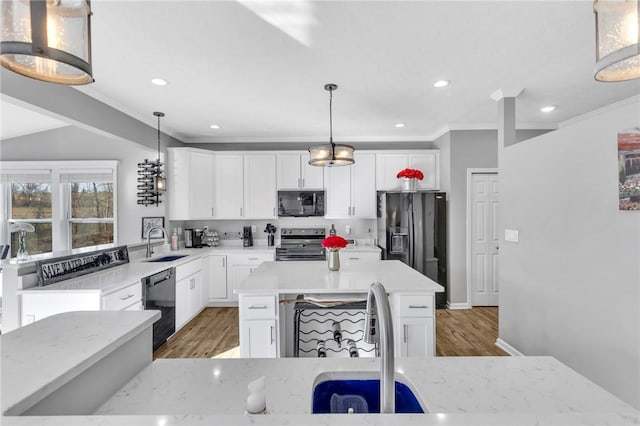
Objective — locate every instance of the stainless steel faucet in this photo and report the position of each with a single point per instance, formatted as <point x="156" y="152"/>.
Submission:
<point x="379" y="331"/>
<point x="164" y="234"/>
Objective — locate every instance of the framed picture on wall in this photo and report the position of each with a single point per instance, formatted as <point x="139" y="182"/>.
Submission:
<point x="629" y="169"/>
<point x="151" y="222"/>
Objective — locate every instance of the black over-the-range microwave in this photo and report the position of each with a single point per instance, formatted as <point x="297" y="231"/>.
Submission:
<point x="296" y="203"/>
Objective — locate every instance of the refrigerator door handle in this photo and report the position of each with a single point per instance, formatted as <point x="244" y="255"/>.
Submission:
<point x="412" y="237"/>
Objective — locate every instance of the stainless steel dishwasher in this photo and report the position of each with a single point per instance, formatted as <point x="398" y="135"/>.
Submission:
<point x="159" y="293"/>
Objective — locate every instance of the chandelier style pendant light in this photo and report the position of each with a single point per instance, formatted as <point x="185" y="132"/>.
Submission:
<point x="151" y="180"/>
<point x="617" y="36"/>
<point x="333" y="154"/>
<point x="47" y="40"/>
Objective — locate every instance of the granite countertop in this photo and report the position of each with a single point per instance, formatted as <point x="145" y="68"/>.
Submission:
<point x="36" y="360"/>
<point x="353" y="277"/>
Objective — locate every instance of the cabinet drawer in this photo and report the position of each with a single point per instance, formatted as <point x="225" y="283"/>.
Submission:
<point x="415" y="305"/>
<point x="250" y="259"/>
<point x="257" y="307"/>
<point x="361" y="255"/>
<point x="122" y="299"/>
<point x="187" y="269"/>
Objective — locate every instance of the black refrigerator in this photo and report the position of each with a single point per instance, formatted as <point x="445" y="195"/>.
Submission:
<point x="412" y="227"/>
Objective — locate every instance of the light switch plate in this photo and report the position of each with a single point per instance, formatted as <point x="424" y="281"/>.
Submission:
<point x="511" y="235"/>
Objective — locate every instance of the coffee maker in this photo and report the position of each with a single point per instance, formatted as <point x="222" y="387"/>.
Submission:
<point x="247" y="237"/>
<point x="193" y="238"/>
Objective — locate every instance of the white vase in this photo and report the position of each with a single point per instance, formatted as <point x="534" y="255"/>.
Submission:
<point x="409" y="184"/>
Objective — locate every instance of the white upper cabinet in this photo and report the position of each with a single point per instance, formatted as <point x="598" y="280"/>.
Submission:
<point x="351" y="190"/>
<point x="294" y="172"/>
<point x="190" y="184"/>
<point x="388" y="164"/>
<point x="260" y="186"/>
<point x="229" y="186"/>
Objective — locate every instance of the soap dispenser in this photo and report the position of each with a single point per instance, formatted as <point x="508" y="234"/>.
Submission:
<point x="174" y="240"/>
<point x="256" y="401"/>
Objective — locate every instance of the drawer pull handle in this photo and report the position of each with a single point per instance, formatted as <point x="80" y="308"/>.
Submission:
<point x="128" y="296"/>
<point x="258" y="307"/>
<point x="418" y="307"/>
<point x="252" y="258"/>
<point x="354" y="258"/>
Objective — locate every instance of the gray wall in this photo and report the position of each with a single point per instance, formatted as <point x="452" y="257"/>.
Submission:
<point x="571" y="287"/>
<point x="72" y="143"/>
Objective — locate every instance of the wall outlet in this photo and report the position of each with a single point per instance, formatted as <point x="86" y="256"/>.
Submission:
<point x="347" y="229"/>
<point x="511" y="235"/>
<point x="254" y="229"/>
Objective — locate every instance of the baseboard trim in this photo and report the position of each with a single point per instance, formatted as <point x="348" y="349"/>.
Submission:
<point x="458" y="306"/>
<point x="508" y="348"/>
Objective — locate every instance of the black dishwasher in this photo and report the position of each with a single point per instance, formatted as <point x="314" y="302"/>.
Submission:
<point x="159" y="291"/>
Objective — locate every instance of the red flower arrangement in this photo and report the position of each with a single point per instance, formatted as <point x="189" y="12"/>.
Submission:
<point x="334" y="242"/>
<point x="410" y="174"/>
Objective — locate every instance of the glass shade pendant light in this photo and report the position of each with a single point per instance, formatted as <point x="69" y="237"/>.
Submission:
<point x="161" y="181"/>
<point x="617" y="36"/>
<point x="47" y="40"/>
<point x="332" y="154"/>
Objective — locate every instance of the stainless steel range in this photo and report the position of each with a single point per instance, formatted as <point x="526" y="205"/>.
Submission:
<point x="301" y="244"/>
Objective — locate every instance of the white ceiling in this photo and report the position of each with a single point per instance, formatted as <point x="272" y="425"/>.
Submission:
<point x="19" y="121"/>
<point x="258" y="68"/>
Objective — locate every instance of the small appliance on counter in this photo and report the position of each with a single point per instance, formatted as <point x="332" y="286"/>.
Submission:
<point x="247" y="237"/>
<point x="193" y="238"/>
<point x="271" y="234"/>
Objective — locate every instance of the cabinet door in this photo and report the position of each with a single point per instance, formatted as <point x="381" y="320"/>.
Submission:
<point x="338" y="193"/>
<point x="415" y="337"/>
<point x="428" y="164"/>
<point x="312" y="176"/>
<point x="178" y="182"/>
<point x="237" y="274"/>
<point x="387" y="168"/>
<point x="217" y="277"/>
<point x="363" y="186"/>
<point x="260" y="186"/>
<point x="288" y="171"/>
<point x="195" y="294"/>
<point x="201" y="185"/>
<point x="229" y="186"/>
<point x="182" y="302"/>
<point x="258" y="339"/>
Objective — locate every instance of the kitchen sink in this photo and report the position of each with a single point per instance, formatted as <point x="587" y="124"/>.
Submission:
<point x="170" y="258"/>
<point x="336" y="392"/>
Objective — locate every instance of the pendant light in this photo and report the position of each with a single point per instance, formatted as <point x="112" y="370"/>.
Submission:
<point x="617" y="36"/>
<point x="47" y="40"/>
<point x="151" y="180"/>
<point x="333" y="154"/>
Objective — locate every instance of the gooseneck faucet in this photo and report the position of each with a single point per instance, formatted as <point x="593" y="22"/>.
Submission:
<point x="379" y="330"/>
<point x="164" y="234"/>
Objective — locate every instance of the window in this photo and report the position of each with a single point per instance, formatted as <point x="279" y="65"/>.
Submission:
<point x="71" y="205"/>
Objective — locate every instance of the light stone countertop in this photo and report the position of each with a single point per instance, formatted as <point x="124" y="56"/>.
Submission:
<point x="36" y="360"/>
<point x="487" y="387"/>
<point x="353" y="277"/>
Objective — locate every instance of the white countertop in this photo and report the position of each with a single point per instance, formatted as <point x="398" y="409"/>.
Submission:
<point x="41" y="357"/>
<point x="353" y="277"/>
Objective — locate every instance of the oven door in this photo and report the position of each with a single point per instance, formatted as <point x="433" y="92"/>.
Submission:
<point x="300" y="253"/>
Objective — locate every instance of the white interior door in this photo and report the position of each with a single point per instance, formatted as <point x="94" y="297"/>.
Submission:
<point x="484" y="239"/>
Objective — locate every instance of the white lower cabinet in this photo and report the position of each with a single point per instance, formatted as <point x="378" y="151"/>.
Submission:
<point x="240" y="267"/>
<point x="217" y="277"/>
<point x="39" y="303"/>
<point x="355" y="255"/>
<point x="190" y="293"/>
<point x="259" y="332"/>
<point x="414" y="326"/>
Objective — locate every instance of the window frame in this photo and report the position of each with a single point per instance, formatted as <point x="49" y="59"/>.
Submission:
<point x="61" y="220"/>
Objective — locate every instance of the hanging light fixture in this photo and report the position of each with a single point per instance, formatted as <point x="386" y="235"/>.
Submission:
<point x="47" y="40"/>
<point x="617" y="36"/>
<point x="151" y="180"/>
<point x="332" y="154"/>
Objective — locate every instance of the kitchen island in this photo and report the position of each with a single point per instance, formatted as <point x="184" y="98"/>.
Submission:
<point x="267" y="304"/>
<point x="465" y="390"/>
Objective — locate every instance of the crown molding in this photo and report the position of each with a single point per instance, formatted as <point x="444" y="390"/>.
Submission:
<point x="598" y="111"/>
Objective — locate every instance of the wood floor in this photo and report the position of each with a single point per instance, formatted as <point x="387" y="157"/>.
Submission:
<point x="214" y="332"/>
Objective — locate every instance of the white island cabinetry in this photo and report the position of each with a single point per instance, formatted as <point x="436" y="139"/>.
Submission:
<point x="259" y="333"/>
<point x="413" y="322"/>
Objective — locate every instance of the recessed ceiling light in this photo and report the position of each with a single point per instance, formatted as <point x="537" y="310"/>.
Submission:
<point x="400" y="125"/>
<point x="159" y="81"/>
<point x="441" y="83"/>
<point x="214" y="126"/>
<point x="548" y="108"/>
